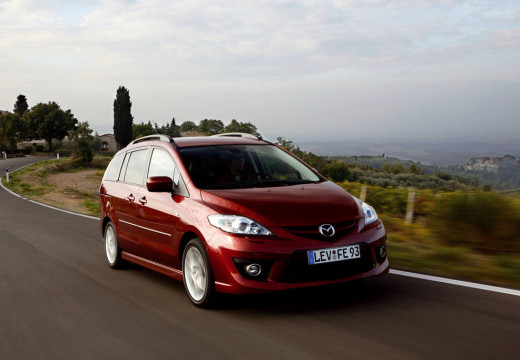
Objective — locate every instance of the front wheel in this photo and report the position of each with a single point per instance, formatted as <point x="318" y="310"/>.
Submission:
<point x="112" y="249"/>
<point x="197" y="275"/>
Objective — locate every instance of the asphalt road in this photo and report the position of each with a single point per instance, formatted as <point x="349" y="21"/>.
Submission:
<point x="59" y="300"/>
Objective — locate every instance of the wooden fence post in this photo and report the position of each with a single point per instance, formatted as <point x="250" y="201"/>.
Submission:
<point x="363" y="194"/>
<point x="408" y="219"/>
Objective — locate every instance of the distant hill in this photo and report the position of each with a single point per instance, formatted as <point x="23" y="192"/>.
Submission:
<point x="440" y="153"/>
<point x="503" y="172"/>
<point x="494" y="165"/>
<point x="499" y="173"/>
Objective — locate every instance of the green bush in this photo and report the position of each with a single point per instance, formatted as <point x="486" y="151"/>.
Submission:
<point x="484" y="221"/>
<point x="83" y="155"/>
<point x="100" y="162"/>
<point x="336" y="171"/>
<point x="393" y="202"/>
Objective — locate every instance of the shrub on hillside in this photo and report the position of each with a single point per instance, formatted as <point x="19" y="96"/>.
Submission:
<point x="390" y="201"/>
<point x="484" y="221"/>
<point x="83" y="154"/>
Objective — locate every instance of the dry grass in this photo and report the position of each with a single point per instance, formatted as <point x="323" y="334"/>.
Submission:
<point x="75" y="190"/>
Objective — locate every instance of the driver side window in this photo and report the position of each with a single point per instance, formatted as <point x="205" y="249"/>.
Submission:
<point x="161" y="164"/>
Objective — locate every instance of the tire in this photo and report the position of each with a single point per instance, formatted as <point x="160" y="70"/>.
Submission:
<point x="197" y="275"/>
<point x="112" y="249"/>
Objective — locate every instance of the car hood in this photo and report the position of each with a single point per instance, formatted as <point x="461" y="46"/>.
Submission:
<point x="295" y="205"/>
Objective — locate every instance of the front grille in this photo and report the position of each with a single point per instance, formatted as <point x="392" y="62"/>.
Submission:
<point x="313" y="232"/>
<point x="299" y="270"/>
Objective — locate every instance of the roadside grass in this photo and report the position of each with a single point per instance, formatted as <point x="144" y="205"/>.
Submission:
<point x="32" y="182"/>
<point x="92" y="206"/>
<point x="415" y="247"/>
<point x="38" y="171"/>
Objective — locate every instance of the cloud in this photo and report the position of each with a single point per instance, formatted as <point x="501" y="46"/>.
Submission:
<point x="265" y="38"/>
<point x="222" y="58"/>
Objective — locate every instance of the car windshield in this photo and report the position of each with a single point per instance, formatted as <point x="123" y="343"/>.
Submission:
<point x="244" y="166"/>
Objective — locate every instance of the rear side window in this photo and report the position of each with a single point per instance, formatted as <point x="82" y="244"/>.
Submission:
<point x="136" y="166"/>
<point x="113" y="169"/>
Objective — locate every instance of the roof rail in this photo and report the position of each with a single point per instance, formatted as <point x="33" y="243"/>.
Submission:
<point x="239" y="134"/>
<point x="159" y="137"/>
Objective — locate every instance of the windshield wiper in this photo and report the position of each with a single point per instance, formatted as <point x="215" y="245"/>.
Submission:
<point x="256" y="183"/>
<point x="232" y="185"/>
<point x="284" y="182"/>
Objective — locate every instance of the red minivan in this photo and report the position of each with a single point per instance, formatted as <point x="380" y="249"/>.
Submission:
<point x="234" y="214"/>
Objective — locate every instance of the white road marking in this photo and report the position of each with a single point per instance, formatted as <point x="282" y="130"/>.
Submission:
<point x="457" y="282"/>
<point x="65" y="211"/>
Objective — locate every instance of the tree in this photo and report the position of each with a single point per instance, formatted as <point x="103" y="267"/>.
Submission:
<point x="169" y="129"/>
<point x="414" y="169"/>
<point x="396" y="169"/>
<point x="236" y="126"/>
<point x="442" y="175"/>
<point x="173" y="130"/>
<point x="49" y="121"/>
<point x="81" y="141"/>
<point x="123" y="118"/>
<point x="336" y="171"/>
<point x="20" y="107"/>
<point x="315" y="161"/>
<point x="210" y="127"/>
<point x="289" y="145"/>
<point x="188" y="126"/>
<point x="142" y="129"/>
<point x="11" y="130"/>
<point x="95" y="144"/>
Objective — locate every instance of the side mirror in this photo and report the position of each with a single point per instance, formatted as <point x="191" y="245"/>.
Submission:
<point x="159" y="184"/>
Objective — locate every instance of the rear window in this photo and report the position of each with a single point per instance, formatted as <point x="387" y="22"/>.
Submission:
<point x="136" y="166"/>
<point x="113" y="169"/>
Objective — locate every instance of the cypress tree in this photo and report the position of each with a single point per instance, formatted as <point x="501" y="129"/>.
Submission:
<point x="123" y="118"/>
<point x="174" y="129"/>
<point x="21" y="105"/>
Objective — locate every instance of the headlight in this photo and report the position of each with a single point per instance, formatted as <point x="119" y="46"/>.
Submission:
<point x="238" y="225"/>
<point x="369" y="212"/>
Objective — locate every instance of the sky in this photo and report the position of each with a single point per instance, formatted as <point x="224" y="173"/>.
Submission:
<point x="305" y="70"/>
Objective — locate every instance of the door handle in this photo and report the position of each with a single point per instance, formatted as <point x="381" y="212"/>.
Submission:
<point x="130" y="198"/>
<point x="143" y="200"/>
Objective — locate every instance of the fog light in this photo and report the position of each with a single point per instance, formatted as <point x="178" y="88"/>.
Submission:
<point x="253" y="269"/>
<point x="382" y="251"/>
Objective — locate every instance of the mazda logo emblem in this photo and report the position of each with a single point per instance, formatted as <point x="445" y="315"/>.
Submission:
<point x="327" y="230"/>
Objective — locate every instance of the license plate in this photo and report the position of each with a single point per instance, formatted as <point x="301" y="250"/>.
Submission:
<point x="323" y="256"/>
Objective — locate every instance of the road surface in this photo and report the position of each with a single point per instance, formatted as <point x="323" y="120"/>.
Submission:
<point x="59" y="300"/>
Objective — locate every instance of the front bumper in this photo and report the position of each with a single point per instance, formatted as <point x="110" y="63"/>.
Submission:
<point x="284" y="263"/>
